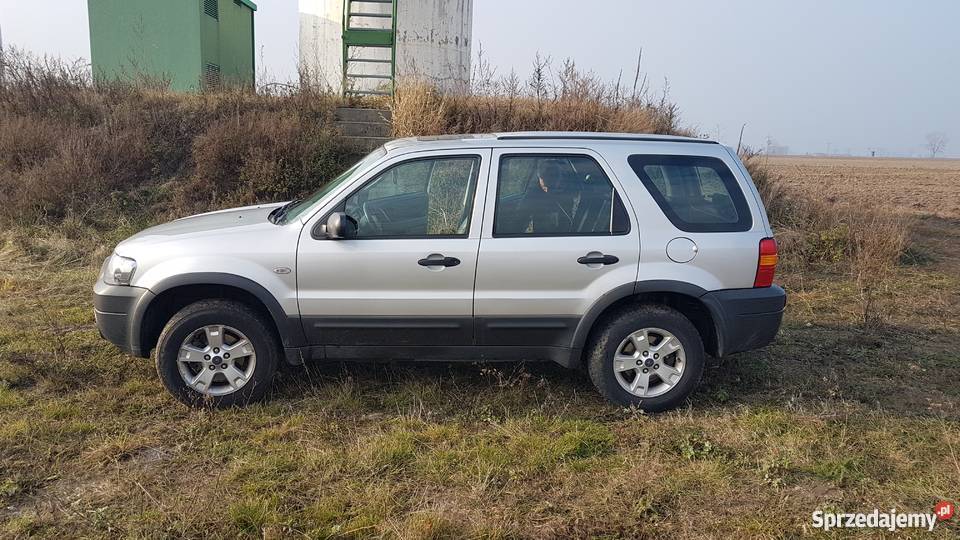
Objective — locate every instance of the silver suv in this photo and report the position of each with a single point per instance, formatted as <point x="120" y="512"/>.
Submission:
<point x="630" y="256"/>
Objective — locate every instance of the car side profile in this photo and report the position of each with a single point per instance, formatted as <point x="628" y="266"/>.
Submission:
<point x="630" y="256"/>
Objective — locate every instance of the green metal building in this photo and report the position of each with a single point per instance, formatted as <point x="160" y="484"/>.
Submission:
<point x="194" y="44"/>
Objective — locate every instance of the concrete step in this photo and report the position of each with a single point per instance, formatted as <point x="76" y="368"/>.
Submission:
<point x="365" y="144"/>
<point x="365" y="129"/>
<point x="373" y="116"/>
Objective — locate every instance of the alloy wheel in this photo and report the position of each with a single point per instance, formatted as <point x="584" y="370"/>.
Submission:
<point x="216" y="360"/>
<point x="649" y="362"/>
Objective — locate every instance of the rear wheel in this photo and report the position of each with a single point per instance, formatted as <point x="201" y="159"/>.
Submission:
<point x="218" y="353"/>
<point x="647" y="356"/>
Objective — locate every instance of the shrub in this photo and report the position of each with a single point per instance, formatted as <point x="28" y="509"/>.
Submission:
<point x="861" y="240"/>
<point x="73" y="150"/>
<point x="262" y="156"/>
<point x="825" y="233"/>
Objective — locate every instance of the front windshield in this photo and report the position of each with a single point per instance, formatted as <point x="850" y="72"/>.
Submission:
<point x="300" y="207"/>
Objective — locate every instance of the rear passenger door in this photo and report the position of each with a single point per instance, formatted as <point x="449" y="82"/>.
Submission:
<point x="557" y="234"/>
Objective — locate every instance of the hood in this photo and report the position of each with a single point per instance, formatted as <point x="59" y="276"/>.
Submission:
<point x="210" y="223"/>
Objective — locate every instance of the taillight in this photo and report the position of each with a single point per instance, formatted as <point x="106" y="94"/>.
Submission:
<point x="767" y="263"/>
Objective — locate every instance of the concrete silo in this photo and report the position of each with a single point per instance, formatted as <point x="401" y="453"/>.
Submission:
<point x="361" y="47"/>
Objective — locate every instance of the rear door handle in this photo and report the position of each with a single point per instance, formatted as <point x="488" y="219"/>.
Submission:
<point x="436" y="259"/>
<point x="598" y="259"/>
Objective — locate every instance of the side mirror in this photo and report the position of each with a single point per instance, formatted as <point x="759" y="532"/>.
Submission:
<point x="340" y="226"/>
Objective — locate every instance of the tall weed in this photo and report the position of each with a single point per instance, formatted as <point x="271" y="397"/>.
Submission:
<point x="565" y="99"/>
<point x="859" y="239"/>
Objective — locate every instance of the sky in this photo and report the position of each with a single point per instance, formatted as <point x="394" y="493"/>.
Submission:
<point x="816" y="76"/>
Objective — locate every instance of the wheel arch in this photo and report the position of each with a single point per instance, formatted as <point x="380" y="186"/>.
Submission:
<point x="684" y="297"/>
<point x="176" y="292"/>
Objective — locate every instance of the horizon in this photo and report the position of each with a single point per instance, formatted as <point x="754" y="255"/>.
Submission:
<point x="826" y="91"/>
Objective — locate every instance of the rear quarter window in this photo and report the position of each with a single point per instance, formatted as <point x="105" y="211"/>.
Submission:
<point x="696" y="193"/>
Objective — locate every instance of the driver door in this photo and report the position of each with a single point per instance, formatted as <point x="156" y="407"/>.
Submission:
<point x="407" y="278"/>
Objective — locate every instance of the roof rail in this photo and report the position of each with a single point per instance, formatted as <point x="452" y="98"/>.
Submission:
<point x="535" y="136"/>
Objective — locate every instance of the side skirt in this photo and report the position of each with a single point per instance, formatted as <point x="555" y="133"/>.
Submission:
<point x="564" y="356"/>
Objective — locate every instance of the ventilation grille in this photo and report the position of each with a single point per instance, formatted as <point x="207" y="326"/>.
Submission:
<point x="211" y="76"/>
<point x="211" y="8"/>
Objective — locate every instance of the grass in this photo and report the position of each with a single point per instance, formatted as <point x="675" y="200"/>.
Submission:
<point x="833" y="415"/>
<point x="856" y="237"/>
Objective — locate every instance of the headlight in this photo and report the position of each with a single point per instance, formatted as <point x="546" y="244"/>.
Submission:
<point x="118" y="270"/>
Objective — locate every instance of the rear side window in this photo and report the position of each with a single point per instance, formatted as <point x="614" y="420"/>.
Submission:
<point x="697" y="194"/>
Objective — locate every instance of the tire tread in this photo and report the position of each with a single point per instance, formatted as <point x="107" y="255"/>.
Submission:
<point x="254" y="390"/>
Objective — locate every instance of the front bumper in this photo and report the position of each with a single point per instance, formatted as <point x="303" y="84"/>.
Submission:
<point x="746" y="319"/>
<point x="114" y="308"/>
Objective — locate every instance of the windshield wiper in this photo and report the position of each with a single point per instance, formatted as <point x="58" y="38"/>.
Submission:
<point x="278" y="214"/>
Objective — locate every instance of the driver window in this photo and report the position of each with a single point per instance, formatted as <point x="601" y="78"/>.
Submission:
<point x="420" y="198"/>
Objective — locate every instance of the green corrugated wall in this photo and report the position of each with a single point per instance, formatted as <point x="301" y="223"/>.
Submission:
<point x="171" y="40"/>
<point x="235" y="43"/>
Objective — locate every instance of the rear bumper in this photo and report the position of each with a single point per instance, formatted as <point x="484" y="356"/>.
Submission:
<point x="746" y="319"/>
<point x="113" y="308"/>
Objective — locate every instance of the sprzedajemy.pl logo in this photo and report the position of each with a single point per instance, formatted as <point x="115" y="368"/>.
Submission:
<point x="890" y="521"/>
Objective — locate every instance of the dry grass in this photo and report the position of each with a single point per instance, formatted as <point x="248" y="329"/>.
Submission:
<point x="418" y="109"/>
<point x="852" y="236"/>
<point x="70" y="150"/>
<point x="91" y="446"/>
<point x="564" y="100"/>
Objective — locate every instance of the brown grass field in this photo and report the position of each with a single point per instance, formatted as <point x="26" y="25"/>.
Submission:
<point x="928" y="190"/>
<point x="919" y="186"/>
<point x="836" y="415"/>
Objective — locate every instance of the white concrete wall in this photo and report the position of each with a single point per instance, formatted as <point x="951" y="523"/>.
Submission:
<point x="321" y="27"/>
<point x="434" y="40"/>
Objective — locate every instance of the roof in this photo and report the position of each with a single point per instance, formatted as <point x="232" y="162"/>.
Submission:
<point x="249" y="4"/>
<point x="490" y="139"/>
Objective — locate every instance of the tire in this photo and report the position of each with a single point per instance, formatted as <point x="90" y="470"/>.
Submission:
<point x="241" y="330"/>
<point x="670" y="378"/>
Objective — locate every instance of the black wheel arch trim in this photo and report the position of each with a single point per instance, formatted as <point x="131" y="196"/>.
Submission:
<point x="628" y="290"/>
<point x="288" y="327"/>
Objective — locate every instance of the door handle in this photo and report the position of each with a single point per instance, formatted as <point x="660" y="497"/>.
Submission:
<point x="439" y="260"/>
<point x="598" y="259"/>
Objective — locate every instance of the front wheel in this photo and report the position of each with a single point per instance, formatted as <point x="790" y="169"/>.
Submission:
<point x="218" y="353"/>
<point x="646" y="356"/>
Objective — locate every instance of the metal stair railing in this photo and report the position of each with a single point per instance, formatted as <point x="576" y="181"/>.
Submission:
<point x="360" y="42"/>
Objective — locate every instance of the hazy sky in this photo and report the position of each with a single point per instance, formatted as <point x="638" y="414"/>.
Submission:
<point x="848" y="76"/>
